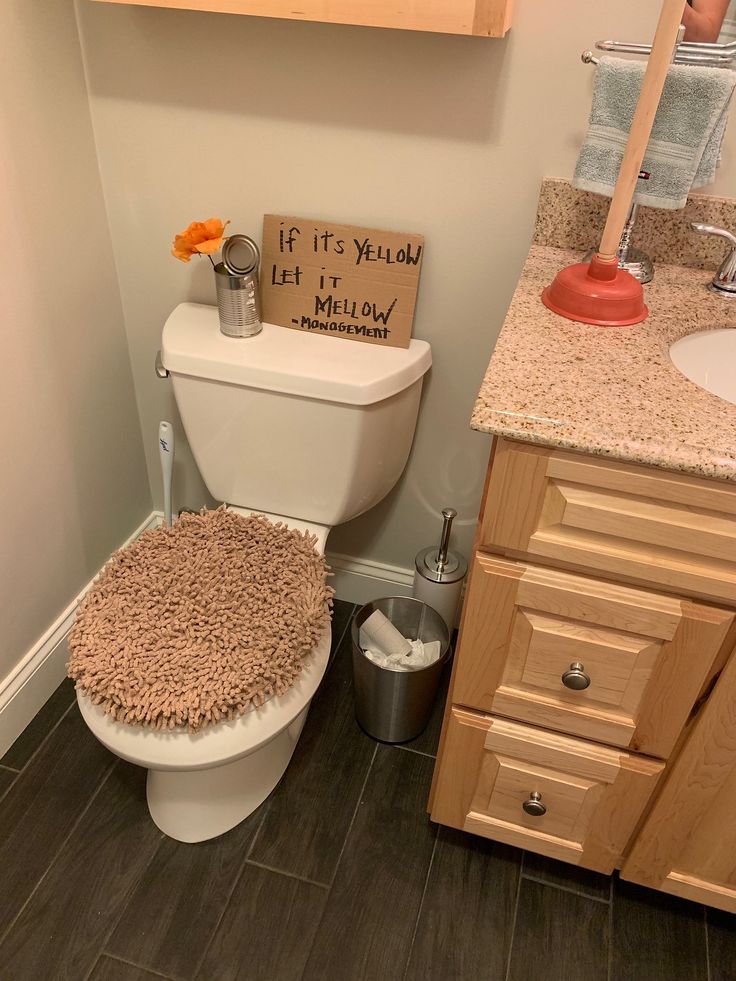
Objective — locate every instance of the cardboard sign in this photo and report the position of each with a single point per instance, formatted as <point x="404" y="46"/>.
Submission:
<point x="340" y="280"/>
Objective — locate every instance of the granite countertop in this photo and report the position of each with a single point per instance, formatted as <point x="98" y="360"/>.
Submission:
<point x="612" y="392"/>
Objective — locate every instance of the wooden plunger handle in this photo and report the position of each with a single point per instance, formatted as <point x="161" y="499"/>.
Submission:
<point x="660" y="60"/>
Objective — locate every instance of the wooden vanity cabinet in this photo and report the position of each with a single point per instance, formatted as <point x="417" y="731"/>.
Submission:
<point x="593" y="629"/>
<point x="482" y="18"/>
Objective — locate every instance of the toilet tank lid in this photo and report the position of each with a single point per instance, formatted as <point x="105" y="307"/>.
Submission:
<point x="292" y="361"/>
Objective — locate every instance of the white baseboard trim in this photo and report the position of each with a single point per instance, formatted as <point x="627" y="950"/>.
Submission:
<point x="25" y="689"/>
<point x="39" y="673"/>
<point x="360" y="580"/>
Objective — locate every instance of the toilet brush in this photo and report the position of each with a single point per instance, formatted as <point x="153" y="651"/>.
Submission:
<point x="166" y="453"/>
<point x="439" y="574"/>
<point x="599" y="292"/>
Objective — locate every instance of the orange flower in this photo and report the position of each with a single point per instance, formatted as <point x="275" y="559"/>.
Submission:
<point x="203" y="237"/>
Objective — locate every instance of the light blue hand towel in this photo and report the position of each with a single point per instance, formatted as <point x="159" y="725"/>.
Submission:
<point x="686" y="138"/>
<point x="728" y="28"/>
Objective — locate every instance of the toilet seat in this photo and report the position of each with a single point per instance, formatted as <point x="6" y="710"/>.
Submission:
<point x="221" y="742"/>
<point x="216" y="744"/>
<point x="319" y="531"/>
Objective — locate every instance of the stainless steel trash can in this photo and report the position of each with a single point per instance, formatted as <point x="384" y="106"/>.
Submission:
<point x="395" y="706"/>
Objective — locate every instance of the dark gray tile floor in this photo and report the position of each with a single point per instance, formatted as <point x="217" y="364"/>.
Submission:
<point x="339" y="876"/>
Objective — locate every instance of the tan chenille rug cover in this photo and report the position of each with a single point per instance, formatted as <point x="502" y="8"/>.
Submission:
<point x="194" y="624"/>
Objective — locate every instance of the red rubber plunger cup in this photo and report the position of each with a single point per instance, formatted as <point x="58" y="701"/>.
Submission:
<point x="597" y="292"/>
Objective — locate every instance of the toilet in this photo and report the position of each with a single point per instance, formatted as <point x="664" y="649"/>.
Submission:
<point x="310" y="431"/>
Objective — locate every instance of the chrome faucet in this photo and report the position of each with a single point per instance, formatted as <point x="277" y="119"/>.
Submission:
<point x="724" y="281"/>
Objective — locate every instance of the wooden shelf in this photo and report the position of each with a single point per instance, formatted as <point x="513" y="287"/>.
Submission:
<point x="482" y="18"/>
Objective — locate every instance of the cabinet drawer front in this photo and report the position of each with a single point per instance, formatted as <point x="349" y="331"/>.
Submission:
<point x="591" y="796"/>
<point x="639" y="659"/>
<point x="671" y="530"/>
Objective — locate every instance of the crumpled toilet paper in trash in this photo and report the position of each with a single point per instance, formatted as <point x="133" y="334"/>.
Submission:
<point x="420" y="656"/>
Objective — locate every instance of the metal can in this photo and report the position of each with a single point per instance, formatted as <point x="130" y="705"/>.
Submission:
<point x="236" y="282"/>
<point x="395" y="706"/>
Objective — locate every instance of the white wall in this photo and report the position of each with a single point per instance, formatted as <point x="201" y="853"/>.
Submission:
<point x="73" y="481"/>
<point x="200" y="114"/>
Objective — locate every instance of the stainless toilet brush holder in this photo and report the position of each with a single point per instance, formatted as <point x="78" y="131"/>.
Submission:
<point x="439" y="574"/>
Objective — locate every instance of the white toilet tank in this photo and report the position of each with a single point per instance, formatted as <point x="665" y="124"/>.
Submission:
<point x="310" y="427"/>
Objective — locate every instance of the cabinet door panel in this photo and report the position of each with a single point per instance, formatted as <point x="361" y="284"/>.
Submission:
<point x="592" y="795"/>
<point x="664" y="529"/>
<point x="643" y="658"/>
<point x="687" y="846"/>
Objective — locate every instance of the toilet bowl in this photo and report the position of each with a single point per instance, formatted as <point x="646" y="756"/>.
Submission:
<point x="315" y="429"/>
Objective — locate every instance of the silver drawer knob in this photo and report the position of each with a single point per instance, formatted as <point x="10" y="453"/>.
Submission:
<point x="575" y="677"/>
<point x="534" y="806"/>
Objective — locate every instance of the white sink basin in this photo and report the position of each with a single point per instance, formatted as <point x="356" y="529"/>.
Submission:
<point x="708" y="358"/>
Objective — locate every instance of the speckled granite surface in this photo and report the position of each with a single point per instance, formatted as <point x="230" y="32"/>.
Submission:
<point x="610" y="391"/>
<point x="572" y="219"/>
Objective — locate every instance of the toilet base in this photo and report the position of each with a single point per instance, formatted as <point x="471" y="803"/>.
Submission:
<point x="196" y="805"/>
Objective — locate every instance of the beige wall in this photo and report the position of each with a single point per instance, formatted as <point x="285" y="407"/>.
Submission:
<point x="73" y="482"/>
<point x="201" y="114"/>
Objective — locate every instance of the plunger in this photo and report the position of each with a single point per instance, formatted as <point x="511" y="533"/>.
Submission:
<point x="598" y="292"/>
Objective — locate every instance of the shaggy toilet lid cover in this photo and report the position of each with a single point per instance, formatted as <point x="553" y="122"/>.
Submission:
<point x="196" y="623"/>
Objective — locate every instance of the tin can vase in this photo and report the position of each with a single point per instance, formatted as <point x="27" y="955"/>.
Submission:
<point x="237" y="302"/>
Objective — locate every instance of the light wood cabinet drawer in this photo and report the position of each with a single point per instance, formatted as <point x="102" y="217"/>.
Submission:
<point x="675" y="531"/>
<point x="644" y="657"/>
<point x="593" y="796"/>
